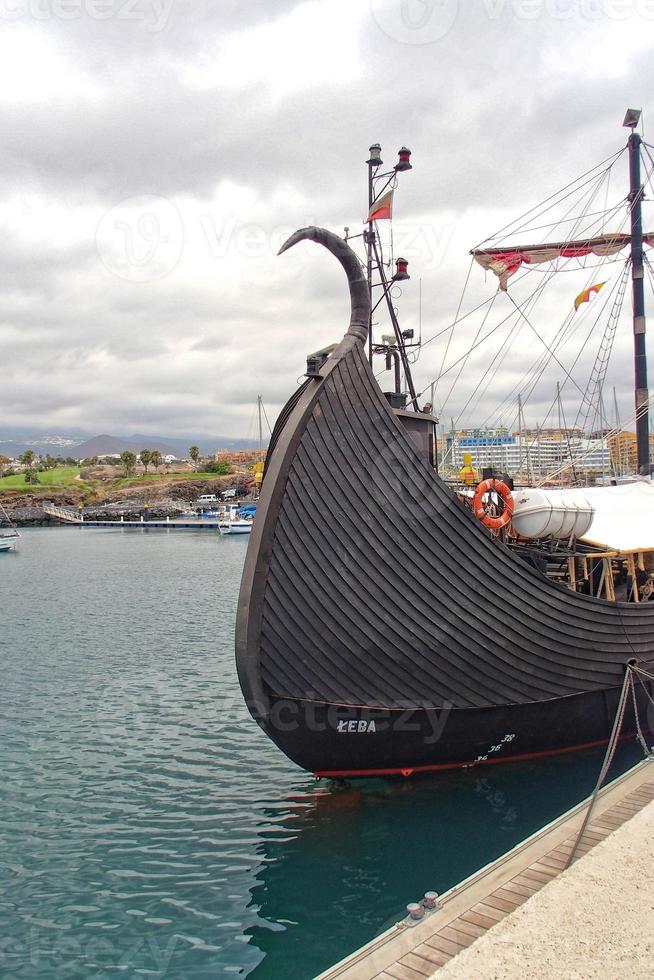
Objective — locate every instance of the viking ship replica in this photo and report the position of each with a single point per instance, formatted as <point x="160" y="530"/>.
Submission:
<point x="389" y="624"/>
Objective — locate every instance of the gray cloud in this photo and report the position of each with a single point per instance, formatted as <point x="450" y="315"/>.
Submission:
<point x="500" y="110"/>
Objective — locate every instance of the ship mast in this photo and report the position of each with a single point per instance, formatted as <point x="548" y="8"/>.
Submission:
<point x="636" y="191"/>
<point x="396" y="344"/>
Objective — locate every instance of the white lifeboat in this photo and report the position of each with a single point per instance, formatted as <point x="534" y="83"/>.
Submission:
<point x="551" y="513"/>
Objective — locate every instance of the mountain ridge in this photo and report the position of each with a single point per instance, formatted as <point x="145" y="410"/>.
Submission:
<point x="106" y="444"/>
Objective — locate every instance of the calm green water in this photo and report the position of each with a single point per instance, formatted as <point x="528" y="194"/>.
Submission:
<point x="148" y="828"/>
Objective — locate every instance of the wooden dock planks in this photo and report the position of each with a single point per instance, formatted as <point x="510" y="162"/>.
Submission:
<point x="471" y="908"/>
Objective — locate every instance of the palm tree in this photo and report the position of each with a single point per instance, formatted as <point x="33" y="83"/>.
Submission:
<point x="146" y="458"/>
<point x="155" y="458"/>
<point x="128" y="459"/>
<point x="194" y="453"/>
<point x="28" y="458"/>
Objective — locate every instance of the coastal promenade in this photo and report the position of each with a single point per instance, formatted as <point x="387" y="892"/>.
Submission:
<point x="594" y="919"/>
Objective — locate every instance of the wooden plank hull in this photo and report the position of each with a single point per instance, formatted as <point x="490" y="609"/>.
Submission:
<point x="368" y="583"/>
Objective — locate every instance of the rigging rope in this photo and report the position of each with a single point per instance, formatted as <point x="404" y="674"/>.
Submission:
<point x="537" y="378"/>
<point x="265" y="415"/>
<point x="611" y="160"/>
<point x="539" y="366"/>
<point x="547" y="347"/>
<point x="531" y="378"/>
<point x="573" y="233"/>
<point x="503" y="350"/>
<point x="456" y="317"/>
<point x="627" y="687"/>
<point x="582" y="226"/>
<point x="478" y="344"/>
<point x="635" y="415"/>
<point x="465" y="361"/>
<point x="602" y="358"/>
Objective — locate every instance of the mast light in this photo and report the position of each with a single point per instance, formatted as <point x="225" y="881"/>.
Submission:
<point x="404" y="163"/>
<point x="401" y="266"/>
<point x="375" y="156"/>
<point x="631" y="118"/>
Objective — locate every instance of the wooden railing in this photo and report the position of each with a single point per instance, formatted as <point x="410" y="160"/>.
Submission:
<point x="63" y="513"/>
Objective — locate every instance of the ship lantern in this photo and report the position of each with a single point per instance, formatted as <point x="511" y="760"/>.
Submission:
<point x="631" y="119"/>
<point x="401" y="266"/>
<point x="404" y="163"/>
<point x="375" y="156"/>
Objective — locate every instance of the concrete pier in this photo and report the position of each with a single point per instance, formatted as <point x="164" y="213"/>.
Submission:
<point x="524" y="914"/>
<point x="594" y="921"/>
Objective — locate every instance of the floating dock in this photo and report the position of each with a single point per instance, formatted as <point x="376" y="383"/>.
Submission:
<point x="174" y="524"/>
<point x="68" y="516"/>
<point x="415" y="950"/>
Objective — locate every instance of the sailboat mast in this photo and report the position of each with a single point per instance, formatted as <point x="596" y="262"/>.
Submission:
<point x="260" y="429"/>
<point x="636" y="190"/>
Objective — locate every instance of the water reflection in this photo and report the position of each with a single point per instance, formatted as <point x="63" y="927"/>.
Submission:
<point x="148" y="827"/>
<point x="349" y="858"/>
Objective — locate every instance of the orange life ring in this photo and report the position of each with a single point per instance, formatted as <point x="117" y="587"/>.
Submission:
<point x="500" y="488"/>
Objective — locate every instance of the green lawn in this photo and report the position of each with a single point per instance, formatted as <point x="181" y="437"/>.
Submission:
<point x="57" y="479"/>
<point x="64" y="477"/>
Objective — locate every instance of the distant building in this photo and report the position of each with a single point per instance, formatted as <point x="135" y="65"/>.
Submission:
<point x="531" y="453"/>
<point x="624" y="450"/>
<point x="238" y="458"/>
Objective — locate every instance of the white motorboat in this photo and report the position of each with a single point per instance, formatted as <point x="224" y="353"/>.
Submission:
<point x="235" y="527"/>
<point x="8" y="535"/>
<point x="236" y="519"/>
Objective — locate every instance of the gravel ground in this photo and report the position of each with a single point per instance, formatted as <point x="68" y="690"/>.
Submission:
<point x="594" y="921"/>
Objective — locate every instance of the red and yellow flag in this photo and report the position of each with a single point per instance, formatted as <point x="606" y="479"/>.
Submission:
<point x="382" y="207"/>
<point x="584" y="296"/>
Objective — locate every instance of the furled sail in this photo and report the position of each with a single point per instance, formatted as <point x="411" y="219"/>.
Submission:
<point x="506" y="261"/>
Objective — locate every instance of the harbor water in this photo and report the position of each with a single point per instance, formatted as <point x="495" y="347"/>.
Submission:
<point x="148" y="828"/>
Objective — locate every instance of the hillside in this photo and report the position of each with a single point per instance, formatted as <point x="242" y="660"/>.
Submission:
<point x="107" y="486"/>
<point x="14" y="443"/>
<point x="105" y="445"/>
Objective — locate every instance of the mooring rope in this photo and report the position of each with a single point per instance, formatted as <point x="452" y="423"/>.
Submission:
<point x="627" y="687"/>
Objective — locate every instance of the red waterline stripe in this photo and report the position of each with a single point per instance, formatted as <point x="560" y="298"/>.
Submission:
<point x="409" y="771"/>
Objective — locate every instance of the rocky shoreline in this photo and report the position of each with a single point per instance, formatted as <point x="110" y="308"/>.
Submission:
<point x="35" y="516"/>
<point x="26" y="510"/>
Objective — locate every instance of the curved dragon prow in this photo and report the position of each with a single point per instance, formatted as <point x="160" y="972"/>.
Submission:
<point x="359" y="295"/>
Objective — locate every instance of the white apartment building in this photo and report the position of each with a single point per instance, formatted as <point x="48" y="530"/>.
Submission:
<point x="514" y="454"/>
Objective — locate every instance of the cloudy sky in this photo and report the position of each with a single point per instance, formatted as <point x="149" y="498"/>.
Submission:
<point x="156" y="152"/>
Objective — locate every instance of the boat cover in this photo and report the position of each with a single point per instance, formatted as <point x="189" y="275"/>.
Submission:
<point x="623" y="518"/>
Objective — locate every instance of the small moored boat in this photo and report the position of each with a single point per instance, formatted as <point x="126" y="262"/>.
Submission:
<point x="8" y="532"/>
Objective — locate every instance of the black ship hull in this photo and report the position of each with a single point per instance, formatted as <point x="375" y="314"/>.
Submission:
<point x="381" y="628"/>
<point x="342" y="741"/>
